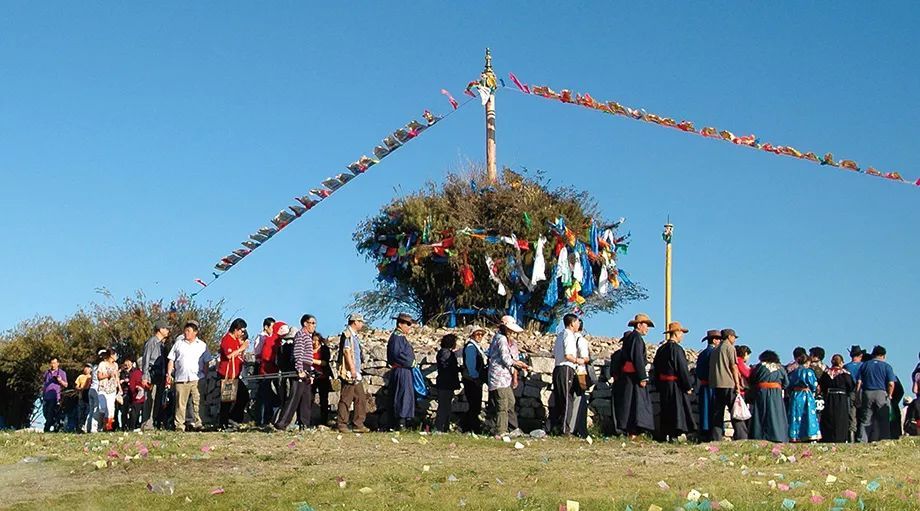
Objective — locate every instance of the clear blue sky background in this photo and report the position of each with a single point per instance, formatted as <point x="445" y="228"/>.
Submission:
<point x="140" y="143"/>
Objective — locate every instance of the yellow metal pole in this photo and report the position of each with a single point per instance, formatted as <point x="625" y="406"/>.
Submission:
<point x="668" y="230"/>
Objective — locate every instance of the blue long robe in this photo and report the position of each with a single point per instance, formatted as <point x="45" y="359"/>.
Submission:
<point x="803" y="416"/>
<point x="705" y="394"/>
<point x="401" y="358"/>
<point x="768" y="413"/>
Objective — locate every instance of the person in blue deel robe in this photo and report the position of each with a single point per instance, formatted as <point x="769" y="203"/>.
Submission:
<point x="768" y="413"/>
<point x="803" y="416"/>
<point x="401" y="359"/>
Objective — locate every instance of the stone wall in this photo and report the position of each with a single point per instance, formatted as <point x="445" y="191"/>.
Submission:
<point x="533" y="393"/>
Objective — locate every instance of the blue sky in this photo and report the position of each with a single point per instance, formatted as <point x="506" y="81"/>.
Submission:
<point x="140" y="143"/>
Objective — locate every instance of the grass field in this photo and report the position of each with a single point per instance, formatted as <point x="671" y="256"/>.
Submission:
<point x="382" y="471"/>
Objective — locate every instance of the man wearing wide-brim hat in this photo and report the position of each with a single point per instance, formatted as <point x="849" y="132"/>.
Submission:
<point x="674" y="384"/>
<point x="705" y="394"/>
<point x="401" y="359"/>
<point x="632" y="403"/>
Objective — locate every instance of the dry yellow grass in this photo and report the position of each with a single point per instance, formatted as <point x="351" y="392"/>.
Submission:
<point x="381" y="471"/>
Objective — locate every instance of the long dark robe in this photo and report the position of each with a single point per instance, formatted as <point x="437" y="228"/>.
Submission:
<point x="632" y="404"/>
<point x="836" y="386"/>
<point x="400" y="358"/>
<point x="768" y="413"/>
<point x="676" y="415"/>
<point x="704" y="394"/>
<point x="896" y="428"/>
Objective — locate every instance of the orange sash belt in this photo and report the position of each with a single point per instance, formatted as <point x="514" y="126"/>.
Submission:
<point x="667" y="377"/>
<point x="769" y="385"/>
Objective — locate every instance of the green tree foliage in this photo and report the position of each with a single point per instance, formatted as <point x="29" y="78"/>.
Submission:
<point x="124" y="326"/>
<point x="427" y="280"/>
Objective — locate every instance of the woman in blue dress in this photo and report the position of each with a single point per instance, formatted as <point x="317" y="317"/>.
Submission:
<point x="803" y="417"/>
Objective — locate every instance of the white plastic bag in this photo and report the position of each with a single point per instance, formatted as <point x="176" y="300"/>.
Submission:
<point x="740" y="410"/>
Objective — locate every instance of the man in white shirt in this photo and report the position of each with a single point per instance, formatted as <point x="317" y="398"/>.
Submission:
<point x="564" y="351"/>
<point x="187" y="363"/>
<point x="256" y="347"/>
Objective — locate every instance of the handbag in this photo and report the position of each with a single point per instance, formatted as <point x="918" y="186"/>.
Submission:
<point x="418" y="383"/>
<point x="229" y="386"/>
<point x="581" y="380"/>
<point x="740" y="410"/>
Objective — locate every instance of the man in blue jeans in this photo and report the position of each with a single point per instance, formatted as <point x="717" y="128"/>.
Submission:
<point x="876" y="386"/>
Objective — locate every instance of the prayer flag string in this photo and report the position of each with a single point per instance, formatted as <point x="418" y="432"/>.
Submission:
<point x="306" y="202"/>
<point x="752" y="141"/>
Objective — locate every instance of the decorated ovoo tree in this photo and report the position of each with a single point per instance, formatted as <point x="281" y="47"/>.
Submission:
<point x="459" y="250"/>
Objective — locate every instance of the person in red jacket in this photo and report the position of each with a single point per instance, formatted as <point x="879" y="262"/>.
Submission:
<point x="232" y="346"/>
<point x="134" y="401"/>
<point x="743" y="354"/>
<point x="269" y="391"/>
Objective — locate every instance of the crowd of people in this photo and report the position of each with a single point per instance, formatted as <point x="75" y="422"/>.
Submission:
<point x="802" y="401"/>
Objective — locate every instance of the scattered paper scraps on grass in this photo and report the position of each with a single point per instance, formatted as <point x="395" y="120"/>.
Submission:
<point x="365" y="490"/>
<point x="694" y="495"/>
<point x="849" y="494"/>
<point x="782" y="487"/>
<point x="873" y="485"/>
<point x="518" y="445"/>
<point x="788" y="504"/>
<point x="206" y="448"/>
<point x="726" y="504"/>
<point x="831" y="479"/>
<point x="570" y="505"/>
<point x="292" y="445"/>
<point x="663" y="485"/>
<point x="217" y="491"/>
<point x="394" y="440"/>
<point x="305" y="507"/>
<point x="816" y="498"/>
<point x="452" y="479"/>
<point x="653" y="507"/>
<point x="99" y="464"/>
<point x="426" y="468"/>
<point x="712" y="448"/>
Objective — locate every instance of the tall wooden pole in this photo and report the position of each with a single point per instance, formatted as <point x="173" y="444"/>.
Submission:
<point x="668" y="230"/>
<point x="488" y="78"/>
